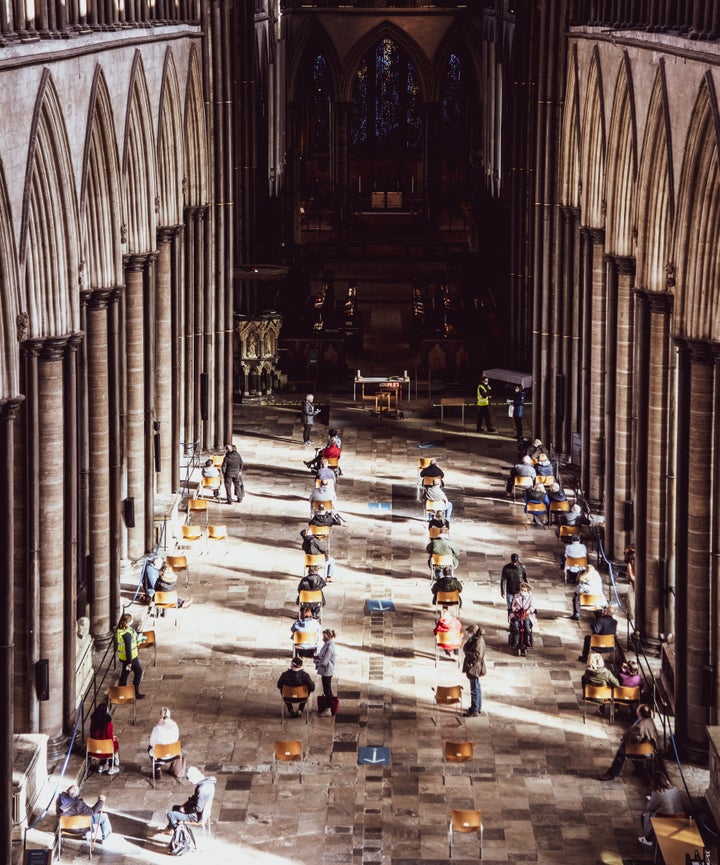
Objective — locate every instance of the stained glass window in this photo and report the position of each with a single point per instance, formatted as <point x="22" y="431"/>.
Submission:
<point x="386" y="105"/>
<point x="453" y="102"/>
<point x="320" y="106"/>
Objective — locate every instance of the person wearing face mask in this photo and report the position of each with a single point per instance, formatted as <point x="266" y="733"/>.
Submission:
<point x="521" y="611"/>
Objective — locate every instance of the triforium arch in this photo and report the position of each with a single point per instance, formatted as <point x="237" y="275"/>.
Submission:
<point x="46" y="502"/>
<point x="697" y="331"/>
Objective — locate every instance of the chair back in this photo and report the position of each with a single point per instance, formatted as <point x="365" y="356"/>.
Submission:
<point x="433" y="532"/>
<point x="592" y="602"/>
<point x="441" y="561"/>
<point x="303" y="638"/>
<point x="453" y="639"/>
<point x="165" y="752"/>
<point x="211" y="483"/>
<point x="536" y="507"/>
<point x="319" y="531"/>
<point x="316" y="505"/>
<point x="639" y="749"/>
<point x="191" y="533"/>
<point x="197" y="504"/>
<point x="602" y="641"/>
<point x="576" y="561"/>
<point x="546" y="480"/>
<point x="560" y="508"/>
<point x="294" y="692"/>
<point x="332" y="462"/>
<point x="217" y="533"/>
<point x="318" y="559"/>
<point x="423" y="463"/>
<point x="218" y="460"/>
<point x="597" y="692"/>
<point x="523" y="482"/>
<point x="310" y="597"/>
<point x="166" y="600"/>
<point x="288" y="750"/>
<point x="569" y="531"/>
<point x="119" y="695"/>
<point x="427" y="481"/>
<point x="177" y="563"/>
<point x="458" y="752"/>
<point x="626" y="695"/>
<point x="448" y="695"/>
<point x="465" y="821"/>
<point x="431" y="506"/>
<point x="75" y="823"/>
<point x="100" y="749"/>
<point x="448" y="598"/>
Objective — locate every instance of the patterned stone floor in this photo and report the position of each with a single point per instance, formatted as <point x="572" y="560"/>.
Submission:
<point x="534" y="776"/>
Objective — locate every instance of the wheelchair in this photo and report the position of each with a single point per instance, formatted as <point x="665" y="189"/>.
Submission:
<point x="520" y="635"/>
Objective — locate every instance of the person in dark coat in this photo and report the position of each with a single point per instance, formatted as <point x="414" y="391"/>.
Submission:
<point x="232" y="467"/>
<point x="604" y="625"/>
<point x="512" y="577"/>
<point x="295" y="677"/>
<point x="309" y="413"/>
<point x="70" y="803"/>
<point x="474" y="667"/>
<point x="314" y="546"/>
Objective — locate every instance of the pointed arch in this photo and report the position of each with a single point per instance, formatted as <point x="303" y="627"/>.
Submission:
<point x="49" y="230"/>
<point x="9" y="356"/>
<point x="456" y="41"/>
<point x="195" y="139"/>
<point x="655" y="191"/>
<point x="139" y="165"/>
<point x="170" y="156"/>
<point x="593" y="156"/>
<point x="100" y="200"/>
<point x="312" y="39"/>
<point x="570" y="183"/>
<point x="698" y="238"/>
<point x="622" y="165"/>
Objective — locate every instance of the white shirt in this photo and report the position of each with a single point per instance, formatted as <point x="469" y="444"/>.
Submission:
<point x="165" y="732"/>
<point x="575" y="550"/>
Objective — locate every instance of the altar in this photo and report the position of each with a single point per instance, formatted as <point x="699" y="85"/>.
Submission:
<point x="387" y="391"/>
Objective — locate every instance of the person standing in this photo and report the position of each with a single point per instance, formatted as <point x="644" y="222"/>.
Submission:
<point x="325" y="666"/>
<point x="127" y="650"/>
<point x="309" y="412"/>
<point x="474" y="667"/>
<point x="483" y="405"/>
<point x="512" y="577"/>
<point x="232" y="467"/>
<point x="518" y="404"/>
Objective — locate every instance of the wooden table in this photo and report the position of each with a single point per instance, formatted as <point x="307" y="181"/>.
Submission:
<point x="450" y="401"/>
<point x="676" y="836"/>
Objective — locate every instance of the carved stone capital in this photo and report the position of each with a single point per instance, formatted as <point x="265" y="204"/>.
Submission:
<point x="54" y="348"/>
<point x="625" y="264"/>
<point x="96" y="298"/>
<point x="10" y="407"/>
<point x="135" y="263"/>
<point x="660" y="302"/>
<point x="32" y="347"/>
<point x="75" y="340"/>
<point x="168" y="233"/>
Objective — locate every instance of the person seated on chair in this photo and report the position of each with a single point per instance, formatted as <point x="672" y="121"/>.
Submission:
<point x="537" y="448"/>
<point x="322" y="516"/>
<point x="325" y="473"/>
<point x="433" y="470"/>
<point x="574" y="517"/>
<point x="192" y="809"/>
<point x="307" y="624"/>
<point x="312" y="582"/>
<point x="643" y="730"/>
<point x="438" y="521"/>
<point x="446" y="582"/>
<point x="543" y="466"/>
<point x="575" y="550"/>
<point x="629" y="675"/>
<point x="523" y="469"/>
<point x="101" y="727"/>
<point x="597" y="674"/>
<point x="604" y="625"/>
<point x="537" y="496"/>
<point x="663" y="799"/>
<point x="522" y="609"/>
<point x="165" y="732"/>
<point x="210" y="470"/>
<point x="70" y="803"/>
<point x="314" y="546"/>
<point x="332" y="450"/>
<point x="435" y="493"/>
<point x="442" y="546"/>
<point x="556" y="493"/>
<point x="323" y="493"/>
<point x="296" y="677"/>
<point x="452" y="630"/>
<point x="589" y="583"/>
<point x="158" y="577"/>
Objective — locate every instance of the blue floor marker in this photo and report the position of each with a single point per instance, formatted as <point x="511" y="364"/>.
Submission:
<point x="380" y="606"/>
<point x="379" y="507"/>
<point x="373" y="756"/>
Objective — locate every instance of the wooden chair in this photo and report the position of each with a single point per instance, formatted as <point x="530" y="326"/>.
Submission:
<point x="532" y="508"/>
<point x="433" y="532"/>
<point x="603" y="642"/>
<point x="148" y="643"/>
<point x="642" y="754"/>
<point x="296" y="694"/>
<point x="465" y="822"/>
<point x="123" y="695"/>
<point x="218" y="460"/>
<point x="303" y="640"/>
<point x="198" y="508"/>
<point x="574" y="562"/>
<point x="211" y="485"/>
<point x="449" y="599"/>
<point x="522" y="482"/>
<point x="601" y="695"/>
<point x="318" y="560"/>
<point x="457" y="752"/>
<point x="568" y="531"/>
<point x="627" y="697"/>
<point x="423" y="463"/>
<point x="442" y="638"/>
<point x="591" y="603"/>
<point x="319" y="531"/>
<point x="447" y="696"/>
<point x="316" y="505"/>
<point x="430" y="508"/>
<point x="163" y="754"/>
<point x="427" y="481"/>
<point x="179" y="565"/>
<point x="166" y="601"/>
<point x="77" y="827"/>
<point x="191" y="536"/>
<point x="546" y="480"/>
<point x="98" y="749"/>
<point x="438" y="561"/>
<point x="218" y="535"/>
<point x="559" y="508"/>
<point x="334" y="464"/>
<point x="308" y="596"/>
<point x="287" y="752"/>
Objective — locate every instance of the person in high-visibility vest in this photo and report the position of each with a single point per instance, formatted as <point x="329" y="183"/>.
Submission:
<point x="483" y="404"/>
<point x="127" y="650"/>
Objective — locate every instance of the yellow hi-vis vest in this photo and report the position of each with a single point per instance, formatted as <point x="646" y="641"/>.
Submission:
<point x="121" y="644"/>
<point x="483" y="396"/>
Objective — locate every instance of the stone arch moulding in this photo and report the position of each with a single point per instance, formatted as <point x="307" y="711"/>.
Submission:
<point x="49" y="232"/>
<point x="570" y="182"/>
<point x="455" y="41"/>
<point x="593" y="140"/>
<point x="139" y="168"/>
<point x="622" y="165"/>
<point x="312" y="38"/>
<point x="100" y="199"/>
<point x="196" y="161"/>
<point x="9" y="354"/>
<point x="655" y="199"/>
<point x="169" y="155"/>
<point x="697" y="248"/>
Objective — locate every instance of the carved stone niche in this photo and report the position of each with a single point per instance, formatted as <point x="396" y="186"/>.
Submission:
<point x="84" y="671"/>
<point x="257" y="355"/>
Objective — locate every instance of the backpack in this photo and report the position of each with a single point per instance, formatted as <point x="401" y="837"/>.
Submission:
<point x="182" y="840"/>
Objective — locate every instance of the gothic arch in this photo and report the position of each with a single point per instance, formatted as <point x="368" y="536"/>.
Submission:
<point x="387" y="30"/>
<point x="655" y="198"/>
<point x="195" y="138"/>
<point x="312" y="38"/>
<point x="622" y="165"/>
<point x="169" y="158"/>
<point x="100" y="204"/>
<point x="139" y="164"/>
<point x="570" y="183"/>
<point x="455" y="41"/>
<point x="593" y="154"/>
<point x="49" y="231"/>
<point x="9" y="358"/>
<point x="698" y="238"/>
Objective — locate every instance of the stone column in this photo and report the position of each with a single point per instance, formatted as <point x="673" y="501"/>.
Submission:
<point x="135" y="395"/>
<point x="164" y="339"/>
<point x="149" y="399"/>
<point x="98" y="408"/>
<point x="186" y="324"/>
<point x="595" y="418"/>
<point x="430" y="178"/>
<point x="8" y="411"/>
<point x="340" y="178"/>
<point x="620" y="480"/>
<point x="694" y="589"/>
<point x="51" y="495"/>
<point x="116" y="451"/>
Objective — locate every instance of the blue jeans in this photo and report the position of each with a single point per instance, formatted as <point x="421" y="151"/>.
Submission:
<point x="475" y="694"/>
<point x="175" y="817"/>
<point x="104" y="821"/>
